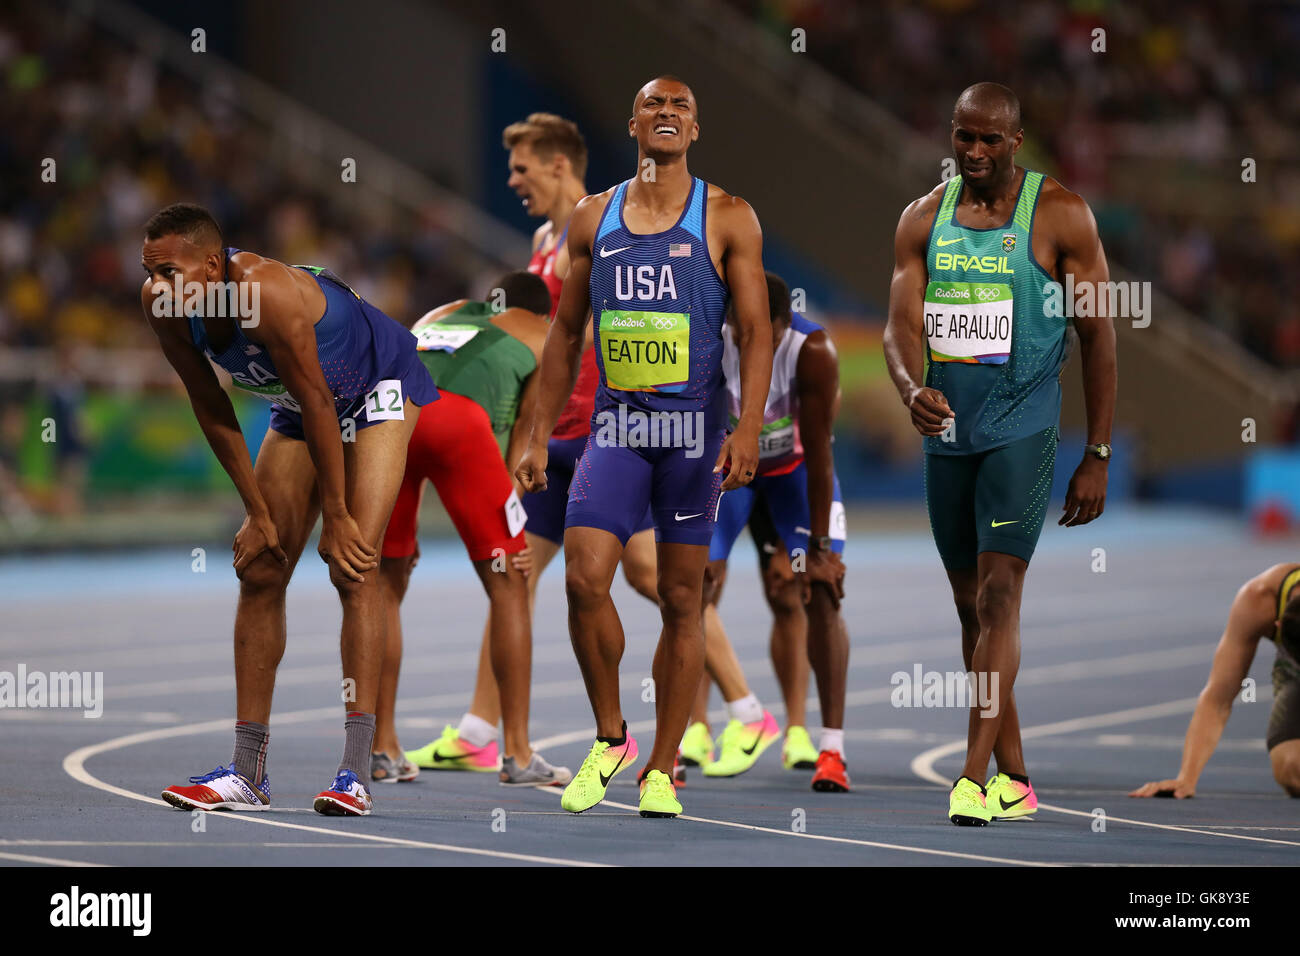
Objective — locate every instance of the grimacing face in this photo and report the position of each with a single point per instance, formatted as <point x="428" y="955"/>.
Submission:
<point x="534" y="180"/>
<point x="983" y="146"/>
<point x="664" y="118"/>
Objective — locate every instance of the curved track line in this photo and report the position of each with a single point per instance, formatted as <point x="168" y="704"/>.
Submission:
<point x="74" y="765"/>
<point x="923" y="764"/>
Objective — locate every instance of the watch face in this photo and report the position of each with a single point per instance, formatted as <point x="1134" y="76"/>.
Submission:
<point x="1102" y="451"/>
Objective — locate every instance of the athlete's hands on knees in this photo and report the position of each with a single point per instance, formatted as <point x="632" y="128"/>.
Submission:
<point x="741" y="446"/>
<point x="1165" y="788"/>
<point x="1086" y="497"/>
<point x="255" y="535"/>
<point x="523" y="561"/>
<point x="930" y="410"/>
<point x="343" y="545"/>
<point x="826" y="568"/>
<point x="531" y="470"/>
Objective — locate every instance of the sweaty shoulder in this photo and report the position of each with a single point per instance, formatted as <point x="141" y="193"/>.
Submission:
<point x="1060" y="209"/>
<point x="731" y="208"/>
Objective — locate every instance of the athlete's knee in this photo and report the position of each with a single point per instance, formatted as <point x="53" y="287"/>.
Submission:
<point x="396" y="574"/>
<point x="265" y="576"/>
<point x="680" y="599"/>
<point x="998" y="599"/>
<point x="585" y="588"/>
<point x="784" y="597"/>
<point x="349" y="588"/>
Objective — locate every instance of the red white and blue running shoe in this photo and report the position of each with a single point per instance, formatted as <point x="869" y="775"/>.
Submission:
<point x="346" y="797"/>
<point x="220" y="789"/>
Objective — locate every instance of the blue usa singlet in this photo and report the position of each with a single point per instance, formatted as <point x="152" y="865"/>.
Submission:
<point x="658" y="305"/>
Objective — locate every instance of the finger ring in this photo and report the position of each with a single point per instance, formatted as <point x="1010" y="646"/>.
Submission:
<point x="749" y="474"/>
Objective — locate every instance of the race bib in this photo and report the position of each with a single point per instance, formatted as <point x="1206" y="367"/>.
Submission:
<point x="645" y="351"/>
<point x="839" y="523"/>
<point x="969" y="322"/>
<point x="516" y="516"/>
<point x="444" y="336"/>
<point x="386" y="402"/>
<point x="776" y="438"/>
<point x="259" y="381"/>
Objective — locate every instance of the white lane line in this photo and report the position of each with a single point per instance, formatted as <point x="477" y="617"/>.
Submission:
<point x="74" y="765"/>
<point x="48" y="860"/>
<point x="832" y="839"/>
<point x="923" y="763"/>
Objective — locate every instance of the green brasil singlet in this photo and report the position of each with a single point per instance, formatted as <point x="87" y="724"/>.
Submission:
<point x="466" y="353"/>
<point x="994" y="351"/>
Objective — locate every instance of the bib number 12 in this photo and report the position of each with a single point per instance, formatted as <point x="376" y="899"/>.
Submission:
<point x="386" y="402"/>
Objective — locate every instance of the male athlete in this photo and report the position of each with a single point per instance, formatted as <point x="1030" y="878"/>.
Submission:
<point x="1267" y="606"/>
<point x="484" y="355"/>
<point x="974" y="260"/>
<point x="346" y="387"/>
<point x="547" y="163"/>
<point x="655" y="259"/>
<point x="796" y="476"/>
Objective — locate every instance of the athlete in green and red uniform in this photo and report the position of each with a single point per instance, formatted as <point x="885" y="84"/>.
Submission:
<point x="973" y="263"/>
<point x="547" y="162"/>
<point x="484" y="354"/>
<point x="1267" y="607"/>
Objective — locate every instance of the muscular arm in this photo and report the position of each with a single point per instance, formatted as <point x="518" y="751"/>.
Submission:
<point x="817" y="375"/>
<point x="752" y="331"/>
<point x="288" y="333"/>
<point x="523" y="422"/>
<point x="905" y="330"/>
<point x="1079" y="253"/>
<point x="1251" y="618"/>
<point x="211" y="404"/>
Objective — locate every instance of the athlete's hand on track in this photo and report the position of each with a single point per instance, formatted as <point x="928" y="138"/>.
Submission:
<point x="1086" y="497"/>
<point x="742" y="447"/>
<point x="342" y="544"/>
<point x="824" y="567"/>
<point x="531" y="470"/>
<point x="1165" y="788"/>
<point x="929" y="411"/>
<point x="255" y="536"/>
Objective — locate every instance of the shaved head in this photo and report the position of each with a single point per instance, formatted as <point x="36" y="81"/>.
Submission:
<point x="992" y="104"/>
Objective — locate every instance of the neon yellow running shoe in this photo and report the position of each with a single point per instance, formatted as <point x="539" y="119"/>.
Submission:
<point x="798" y="752"/>
<point x="453" y="752"/>
<point x="587" y="788"/>
<point x="697" y="745"/>
<point x="658" y="796"/>
<point x="966" y="804"/>
<point x="1009" y="799"/>
<point x="741" y="745"/>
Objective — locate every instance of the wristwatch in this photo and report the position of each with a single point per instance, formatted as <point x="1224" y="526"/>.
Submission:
<point x="1100" y="450"/>
<point x="820" y="543"/>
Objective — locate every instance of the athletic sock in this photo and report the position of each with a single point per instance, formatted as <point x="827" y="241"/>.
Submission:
<point x="832" y="740"/>
<point x="616" y="741"/>
<point x="250" y="749"/>
<point x="1018" y="778"/>
<point x="747" y="710"/>
<point x="972" y="780"/>
<point x="359" y="734"/>
<point x="476" y="730"/>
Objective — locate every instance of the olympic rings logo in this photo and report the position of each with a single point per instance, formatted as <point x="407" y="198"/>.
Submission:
<point x="664" y="323"/>
<point x="986" y="295"/>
